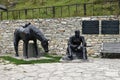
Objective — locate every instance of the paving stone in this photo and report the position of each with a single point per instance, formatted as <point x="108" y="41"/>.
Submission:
<point x="73" y="74"/>
<point x="28" y="78"/>
<point x="117" y="78"/>
<point x="77" y="78"/>
<point x="4" y="77"/>
<point x="55" y="78"/>
<point x="31" y="74"/>
<point x="42" y="75"/>
<point x="66" y="78"/>
<point x="58" y="74"/>
<point x="112" y="74"/>
<point x="42" y="79"/>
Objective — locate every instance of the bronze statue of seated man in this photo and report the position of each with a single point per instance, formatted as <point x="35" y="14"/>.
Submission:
<point x="76" y="47"/>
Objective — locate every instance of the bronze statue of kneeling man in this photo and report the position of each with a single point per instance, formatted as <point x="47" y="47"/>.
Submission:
<point x="76" y="47"/>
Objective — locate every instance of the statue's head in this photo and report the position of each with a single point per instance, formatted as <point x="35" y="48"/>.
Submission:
<point x="77" y="33"/>
<point x="45" y="45"/>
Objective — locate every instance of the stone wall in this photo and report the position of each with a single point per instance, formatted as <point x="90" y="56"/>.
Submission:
<point x="57" y="30"/>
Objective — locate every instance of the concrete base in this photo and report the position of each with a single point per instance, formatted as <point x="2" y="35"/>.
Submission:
<point x="31" y="50"/>
<point x="75" y="59"/>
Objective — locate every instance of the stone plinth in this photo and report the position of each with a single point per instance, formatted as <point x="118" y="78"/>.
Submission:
<point x="31" y="50"/>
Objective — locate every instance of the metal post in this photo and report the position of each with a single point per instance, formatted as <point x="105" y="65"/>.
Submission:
<point x="84" y="9"/>
<point x="53" y="11"/>
<point x="25" y="13"/>
<point x="93" y="8"/>
<point x="69" y="10"/>
<point x="32" y="13"/>
<point x="111" y="12"/>
<point x="7" y="15"/>
<point x="1" y="15"/>
<point x="13" y="14"/>
<point x="61" y="11"/>
<point x="76" y="8"/>
<point x="119" y="7"/>
<point x="39" y="13"/>
<point x="46" y="11"/>
<point x="19" y="14"/>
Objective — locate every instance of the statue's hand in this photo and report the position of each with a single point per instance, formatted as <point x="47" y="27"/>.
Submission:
<point x="79" y="47"/>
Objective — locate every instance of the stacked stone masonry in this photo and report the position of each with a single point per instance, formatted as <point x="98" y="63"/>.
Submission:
<point x="58" y="31"/>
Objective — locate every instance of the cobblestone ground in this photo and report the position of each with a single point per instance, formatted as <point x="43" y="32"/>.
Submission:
<point x="97" y="69"/>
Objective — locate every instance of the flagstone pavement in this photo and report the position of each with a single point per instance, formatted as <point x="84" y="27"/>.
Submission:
<point x="94" y="69"/>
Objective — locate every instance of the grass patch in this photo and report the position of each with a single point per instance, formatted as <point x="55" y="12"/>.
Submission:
<point x="21" y="61"/>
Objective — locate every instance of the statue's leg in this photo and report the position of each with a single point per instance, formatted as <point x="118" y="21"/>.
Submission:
<point x="26" y="48"/>
<point x="79" y="54"/>
<point x="69" y="52"/>
<point x="16" y="41"/>
<point x="68" y="55"/>
<point x="84" y="53"/>
<point x="36" y="48"/>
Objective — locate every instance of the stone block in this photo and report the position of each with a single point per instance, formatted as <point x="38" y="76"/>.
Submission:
<point x="31" y="50"/>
